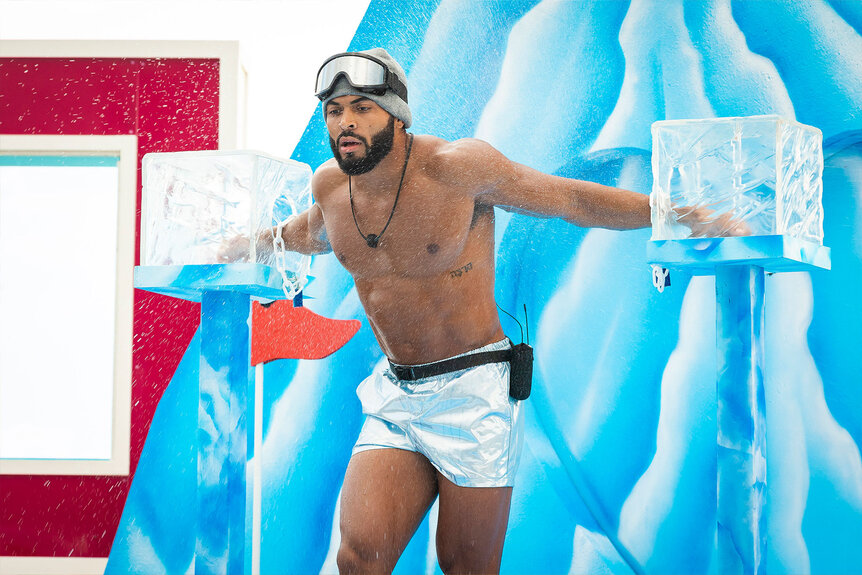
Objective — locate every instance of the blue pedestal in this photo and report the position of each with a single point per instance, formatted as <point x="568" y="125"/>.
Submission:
<point x="191" y="281"/>
<point x="739" y="264"/>
<point x="741" y="441"/>
<point x="226" y="383"/>
<point x="701" y="256"/>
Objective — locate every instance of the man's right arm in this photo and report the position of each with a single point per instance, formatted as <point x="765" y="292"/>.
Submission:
<point x="306" y="233"/>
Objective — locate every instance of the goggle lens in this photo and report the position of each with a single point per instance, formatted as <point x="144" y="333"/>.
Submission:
<point x="361" y="72"/>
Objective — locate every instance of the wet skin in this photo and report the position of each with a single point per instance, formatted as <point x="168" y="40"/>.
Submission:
<point x="428" y="288"/>
<point x="436" y="254"/>
<point x="428" y="293"/>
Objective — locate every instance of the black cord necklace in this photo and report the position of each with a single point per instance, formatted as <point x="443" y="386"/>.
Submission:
<point x="373" y="239"/>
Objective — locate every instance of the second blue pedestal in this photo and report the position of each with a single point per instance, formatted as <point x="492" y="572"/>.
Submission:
<point x="741" y="441"/>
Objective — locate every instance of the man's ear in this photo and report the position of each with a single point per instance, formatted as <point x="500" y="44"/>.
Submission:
<point x="399" y="124"/>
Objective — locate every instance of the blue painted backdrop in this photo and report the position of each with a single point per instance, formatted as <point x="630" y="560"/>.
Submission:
<point x="618" y="472"/>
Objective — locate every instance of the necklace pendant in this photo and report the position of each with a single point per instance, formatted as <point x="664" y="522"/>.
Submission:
<point x="374" y="239"/>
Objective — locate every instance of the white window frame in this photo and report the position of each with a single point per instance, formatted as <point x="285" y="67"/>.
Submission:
<point x="126" y="149"/>
<point x="53" y="565"/>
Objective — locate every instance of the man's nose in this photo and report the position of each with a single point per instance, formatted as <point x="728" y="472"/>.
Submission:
<point x="347" y="121"/>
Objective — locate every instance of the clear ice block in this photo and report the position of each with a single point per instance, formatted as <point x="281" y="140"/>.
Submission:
<point x="763" y="170"/>
<point x="195" y="202"/>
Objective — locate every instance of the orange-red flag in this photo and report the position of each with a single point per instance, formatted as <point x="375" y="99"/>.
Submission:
<point x="281" y="330"/>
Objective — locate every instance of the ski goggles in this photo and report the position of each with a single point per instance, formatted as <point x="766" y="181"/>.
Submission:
<point x="365" y="73"/>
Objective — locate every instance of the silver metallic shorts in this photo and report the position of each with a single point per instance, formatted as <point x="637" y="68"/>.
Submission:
<point x="464" y="422"/>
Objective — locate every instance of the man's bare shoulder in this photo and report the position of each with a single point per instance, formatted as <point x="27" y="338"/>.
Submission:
<point x="465" y="150"/>
<point x="469" y="161"/>
<point x="327" y="177"/>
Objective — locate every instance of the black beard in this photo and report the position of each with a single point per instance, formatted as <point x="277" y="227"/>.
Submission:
<point x="381" y="145"/>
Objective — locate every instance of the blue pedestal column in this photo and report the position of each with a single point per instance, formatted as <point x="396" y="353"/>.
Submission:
<point x="225" y="532"/>
<point x="222" y="433"/>
<point x="739" y="264"/>
<point x="741" y="442"/>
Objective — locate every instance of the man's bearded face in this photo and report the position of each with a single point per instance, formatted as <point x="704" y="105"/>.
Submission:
<point x="381" y="144"/>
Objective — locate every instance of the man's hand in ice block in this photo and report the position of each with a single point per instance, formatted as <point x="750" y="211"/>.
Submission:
<point x="703" y="223"/>
<point x="236" y="249"/>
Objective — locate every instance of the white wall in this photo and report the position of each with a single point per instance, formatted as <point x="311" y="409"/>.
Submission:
<point x="282" y="44"/>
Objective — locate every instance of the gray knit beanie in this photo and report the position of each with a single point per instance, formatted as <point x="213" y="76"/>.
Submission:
<point x="389" y="101"/>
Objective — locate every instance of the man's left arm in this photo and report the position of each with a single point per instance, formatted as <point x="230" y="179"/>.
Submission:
<point x="519" y="188"/>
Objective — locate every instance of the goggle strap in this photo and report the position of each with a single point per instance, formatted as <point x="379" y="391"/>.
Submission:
<point x="397" y="85"/>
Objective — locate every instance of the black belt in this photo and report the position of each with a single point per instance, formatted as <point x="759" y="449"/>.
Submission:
<point x="414" y="372"/>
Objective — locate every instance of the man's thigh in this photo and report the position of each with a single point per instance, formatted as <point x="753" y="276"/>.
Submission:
<point x="385" y="496"/>
<point x="471" y="527"/>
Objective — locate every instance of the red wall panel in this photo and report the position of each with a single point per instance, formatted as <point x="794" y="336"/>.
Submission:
<point x="51" y="96"/>
<point x="171" y="105"/>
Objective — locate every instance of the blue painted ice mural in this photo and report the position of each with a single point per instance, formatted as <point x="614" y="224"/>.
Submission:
<point x="618" y="474"/>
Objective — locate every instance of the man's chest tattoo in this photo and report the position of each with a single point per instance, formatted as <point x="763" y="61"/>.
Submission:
<point x="461" y="271"/>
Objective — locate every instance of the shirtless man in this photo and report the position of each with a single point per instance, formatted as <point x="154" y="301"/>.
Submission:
<point x="412" y="220"/>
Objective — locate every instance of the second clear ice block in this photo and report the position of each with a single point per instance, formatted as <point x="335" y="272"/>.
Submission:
<point x="763" y="170"/>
